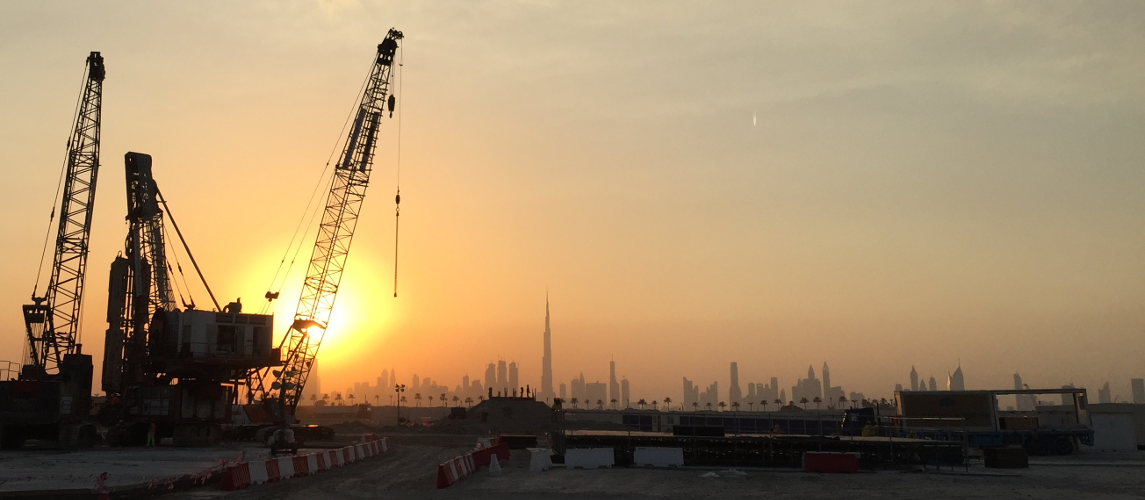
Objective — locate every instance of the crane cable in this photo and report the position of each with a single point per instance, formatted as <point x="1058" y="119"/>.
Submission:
<point x="398" y="196"/>
<point x="306" y="221"/>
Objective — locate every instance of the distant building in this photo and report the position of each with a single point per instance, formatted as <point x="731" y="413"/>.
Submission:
<point x="691" y="394"/>
<point x="933" y="384"/>
<point x="734" y="394"/>
<point x="563" y="392"/>
<point x="898" y="388"/>
<point x="596" y="394"/>
<point x="502" y="376"/>
<point x="613" y="385"/>
<point x="578" y="388"/>
<point x="1026" y="402"/>
<point x="625" y="402"/>
<point x="513" y="380"/>
<point x="1103" y="395"/>
<point x="491" y="377"/>
<point x="954" y="381"/>
<point x="831" y="394"/>
<point x="913" y="379"/>
<point x="547" y="393"/>
<point x="1138" y="390"/>
<point x="809" y="387"/>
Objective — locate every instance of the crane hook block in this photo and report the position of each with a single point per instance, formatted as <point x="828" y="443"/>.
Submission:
<point x="391" y="103"/>
<point x="398" y="199"/>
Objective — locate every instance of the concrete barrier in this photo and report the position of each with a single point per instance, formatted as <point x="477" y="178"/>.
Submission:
<point x="658" y="457"/>
<point x="481" y="455"/>
<point x="243" y="474"/>
<point x="540" y="459"/>
<point x="589" y="458"/>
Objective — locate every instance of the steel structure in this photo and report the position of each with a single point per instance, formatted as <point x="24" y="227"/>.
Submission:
<point x="332" y="246"/>
<point x="52" y="320"/>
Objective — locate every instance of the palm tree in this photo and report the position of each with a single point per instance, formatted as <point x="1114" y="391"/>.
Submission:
<point x="613" y="401"/>
<point x="751" y="406"/>
<point x="403" y="400"/>
<point x="430" y="400"/>
<point x="641" y="403"/>
<point x="668" y="403"/>
<point x="599" y="404"/>
<point x="778" y="404"/>
<point x="853" y="403"/>
<point x="313" y="398"/>
<point x="325" y="397"/>
<point x="377" y="400"/>
<point x="455" y="400"/>
<point x="574" y="402"/>
<point x="709" y="406"/>
<point x="695" y="406"/>
<point x="351" y="398"/>
<point x="763" y="403"/>
<point x="804" y="401"/>
<point x="655" y="405"/>
<point x="722" y="405"/>
<point x="469" y="402"/>
<point x="443" y="399"/>
<point x="735" y="406"/>
<point x="817" y="401"/>
<point x="417" y="399"/>
<point x="338" y="398"/>
<point x="842" y="401"/>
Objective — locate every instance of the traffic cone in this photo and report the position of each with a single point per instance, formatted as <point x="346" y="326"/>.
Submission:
<point x="494" y="466"/>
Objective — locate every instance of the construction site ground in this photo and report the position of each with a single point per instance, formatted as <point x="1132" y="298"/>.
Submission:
<point x="409" y="469"/>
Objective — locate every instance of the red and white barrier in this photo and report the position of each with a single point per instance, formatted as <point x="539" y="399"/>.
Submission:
<point x="241" y="475"/>
<point x="451" y="471"/>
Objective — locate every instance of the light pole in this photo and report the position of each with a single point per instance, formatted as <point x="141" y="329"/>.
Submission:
<point x="399" y="389"/>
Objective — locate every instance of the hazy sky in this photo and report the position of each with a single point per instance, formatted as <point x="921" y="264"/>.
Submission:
<point x="871" y="184"/>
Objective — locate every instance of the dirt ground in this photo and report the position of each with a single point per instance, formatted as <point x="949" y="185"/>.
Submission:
<point x="408" y="471"/>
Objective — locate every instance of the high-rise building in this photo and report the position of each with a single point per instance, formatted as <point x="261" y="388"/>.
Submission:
<point x="826" y="376"/>
<point x="913" y="379"/>
<point x="1138" y="390"/>
<point x="613" y="384"/>
<point x="1026" y="402"/>
<point x="547" y="361"/>
<point x="393" y="377"/>
<point x="563" y="391"/>
<point x="513" y="387"/>
<point x="933" y="384"/>
<point x="734" y="394"/>
<point x="624" y="401"/>
<point x="954" y="381"/>
<point x="491" y="378"/>
<point x="831" y="394"/>
<point x="691" y="394"/>
<point x="502" y="376"/>
<point x="596" y="395"/>
<point x="1103" y="395"/>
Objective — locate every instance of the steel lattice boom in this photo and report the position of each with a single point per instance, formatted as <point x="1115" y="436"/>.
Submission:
<point x="335" y="233"/>
<point x="52" y="321"/>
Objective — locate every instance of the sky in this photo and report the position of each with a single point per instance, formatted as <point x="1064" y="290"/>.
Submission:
<point x="875" y="185"/>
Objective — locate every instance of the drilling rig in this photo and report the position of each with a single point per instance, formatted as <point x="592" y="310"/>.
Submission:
<point x="176" y="369"/>
<point x="51" y="397"/>
<point x="279" y="390"/>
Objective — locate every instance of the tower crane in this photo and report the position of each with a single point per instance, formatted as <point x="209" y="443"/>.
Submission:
<point x="51" y="397"/>
<point x="281" y="389"/>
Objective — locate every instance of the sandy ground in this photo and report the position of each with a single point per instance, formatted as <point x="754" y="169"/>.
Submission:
<point x="408" y="471"/>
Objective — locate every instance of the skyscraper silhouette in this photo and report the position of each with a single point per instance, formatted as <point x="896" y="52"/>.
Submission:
<point x="547" y="361"/>
<point x="613" y="384"/>
<point x="734" y="394"/>
<point x="955" y="382"/>
<point x="913" y="379"/>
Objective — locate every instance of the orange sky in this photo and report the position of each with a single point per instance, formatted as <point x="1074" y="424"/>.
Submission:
<point x="924" y="183"/>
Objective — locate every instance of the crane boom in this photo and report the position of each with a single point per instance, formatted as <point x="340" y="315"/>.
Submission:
<point x="52" y="321"/>
<point x="332" y="246"/>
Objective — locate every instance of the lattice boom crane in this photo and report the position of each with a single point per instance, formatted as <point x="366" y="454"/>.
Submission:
<point x="335" y="233"/>
<point x="52" y="320"/>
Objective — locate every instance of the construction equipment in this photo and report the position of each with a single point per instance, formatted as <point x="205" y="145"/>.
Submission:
<point x="176" y="370"/>
<point x="51" y="398"/>
<point x="280" y="390"/>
